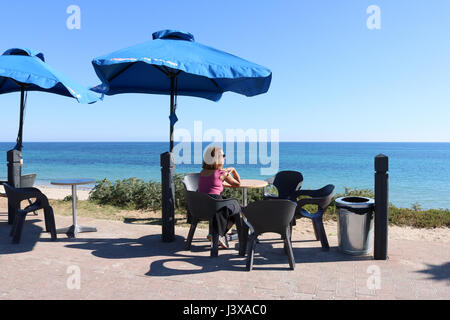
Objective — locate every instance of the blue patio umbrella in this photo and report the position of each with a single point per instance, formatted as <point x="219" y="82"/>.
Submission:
<point x="174" y="64"/>
<point x="23" y="70"/>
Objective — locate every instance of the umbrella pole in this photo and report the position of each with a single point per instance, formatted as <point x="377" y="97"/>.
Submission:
<point x="22" y="111"/>
<point x="167" y="180"/>
<point x="172" y="109"/>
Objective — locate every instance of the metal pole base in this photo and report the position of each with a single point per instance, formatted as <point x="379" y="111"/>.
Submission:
<point x="72" y="231"/>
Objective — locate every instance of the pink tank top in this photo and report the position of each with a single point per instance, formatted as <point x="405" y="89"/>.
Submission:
<point x="211" y="184"/>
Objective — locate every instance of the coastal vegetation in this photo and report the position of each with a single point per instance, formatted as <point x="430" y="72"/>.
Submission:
<point x="109" y="200"/>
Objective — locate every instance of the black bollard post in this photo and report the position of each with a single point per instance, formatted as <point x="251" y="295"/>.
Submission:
<point x="168" y="197"/>
<point x="381" y="207"/>
<point x="14" y="159"/>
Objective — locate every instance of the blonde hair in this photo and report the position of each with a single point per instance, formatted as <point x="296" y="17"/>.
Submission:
<point x="211" y="159"/>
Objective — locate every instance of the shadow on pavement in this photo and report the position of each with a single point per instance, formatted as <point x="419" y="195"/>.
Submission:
<point x="152" y="246"/>
<point x="438" y="272"/>
<point x="31" y="234"/>
<point x="176" y="261"/>
<point x="124" y="248"/>
<point x="149" y="221"/>
<point x="267" y="257"/>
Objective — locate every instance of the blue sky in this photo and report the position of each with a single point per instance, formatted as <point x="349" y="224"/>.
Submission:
<point x="333" y="78"/>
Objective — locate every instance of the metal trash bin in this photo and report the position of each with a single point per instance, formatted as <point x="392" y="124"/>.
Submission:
<point x="355" y="225"/>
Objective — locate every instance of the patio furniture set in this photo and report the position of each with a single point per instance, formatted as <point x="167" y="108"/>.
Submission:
<point x="274" y="214"/>
<point x="188" y="69"/>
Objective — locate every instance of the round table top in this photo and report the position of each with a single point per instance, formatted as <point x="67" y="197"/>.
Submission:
<point x="249" y="184"/>
<point x="72" y="182"/>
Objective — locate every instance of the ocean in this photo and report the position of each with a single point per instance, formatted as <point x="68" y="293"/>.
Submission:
<point x="418" y="173"/>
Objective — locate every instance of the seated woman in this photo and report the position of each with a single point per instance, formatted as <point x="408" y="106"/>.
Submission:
<point x="211" y="182"/>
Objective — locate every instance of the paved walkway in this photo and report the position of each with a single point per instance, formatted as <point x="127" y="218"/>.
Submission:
<point x="129" y="261"/>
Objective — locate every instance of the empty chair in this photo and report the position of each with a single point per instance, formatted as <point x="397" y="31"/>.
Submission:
<point x="270" y="216"/>
<point x="26" y="181"/>
<point x="322" y="198"/>
<point x="288" y="184"/>
<point x="202" y="207"/>
<point x="15" y="196"/>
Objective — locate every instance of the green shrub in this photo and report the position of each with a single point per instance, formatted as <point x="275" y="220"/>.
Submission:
<point x="433" y="218"/>
<point x="101" y="192"/>
<point x="134" y="193"/>
<point x="416" y="206"/>
<point x="127" y="193"/>
<point x="137" y="194"/>
<point x="148" y="196"/>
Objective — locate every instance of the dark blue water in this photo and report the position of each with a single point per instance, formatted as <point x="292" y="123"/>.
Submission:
<point x="419" y="172"/>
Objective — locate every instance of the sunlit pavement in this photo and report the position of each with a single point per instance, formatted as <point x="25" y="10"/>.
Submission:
<point x="129" y="261"/>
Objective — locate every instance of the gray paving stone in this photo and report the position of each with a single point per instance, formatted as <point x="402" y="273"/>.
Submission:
<point x="129" y="261"/>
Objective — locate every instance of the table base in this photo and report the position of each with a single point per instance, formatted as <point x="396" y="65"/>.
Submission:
<point x="72" y="231"/>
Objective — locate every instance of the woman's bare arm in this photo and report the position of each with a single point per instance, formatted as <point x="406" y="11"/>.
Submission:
<point x="235" y="174"/>
<point x="231" y="180"/>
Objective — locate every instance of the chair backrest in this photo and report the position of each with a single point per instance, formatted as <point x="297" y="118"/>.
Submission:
<point x="16" y="195"/>
<point x="287" y="182"/>
<point x="13" y="194"/>
<point x="200" y="205"/>
<point x="270" y="216"/>
<point x="27" y="181"/>
<point x="324" y="196"/>
<point x="190" y="181"/>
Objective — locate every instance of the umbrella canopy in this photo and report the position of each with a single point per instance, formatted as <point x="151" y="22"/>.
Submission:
<point x="173" y="63"/>
<point x="25" y="70"/>
<point x="201" y="71"/>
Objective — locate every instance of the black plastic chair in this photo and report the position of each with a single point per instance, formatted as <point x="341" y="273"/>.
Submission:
<point x="26" y="181"/>
<point x="15" y="196"/>
<point x="202" y="207"/>
<point x="288" y="184"/>
<point x="270" y="216"/>
<point x="190" y="183"/>
<point x="322" y="198"/>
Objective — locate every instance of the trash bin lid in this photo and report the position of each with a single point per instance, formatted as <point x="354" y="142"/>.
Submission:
<point x="357" y="203"/>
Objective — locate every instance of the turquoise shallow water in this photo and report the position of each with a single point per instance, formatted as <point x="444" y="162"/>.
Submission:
<point x="419" y="172"/>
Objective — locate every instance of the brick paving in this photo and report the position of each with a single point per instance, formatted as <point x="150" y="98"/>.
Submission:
<point x="129" y="261"/>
